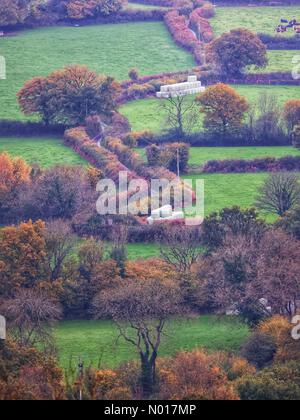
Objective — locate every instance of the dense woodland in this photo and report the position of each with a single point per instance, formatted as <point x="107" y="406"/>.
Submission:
<point x="61" y="261"/>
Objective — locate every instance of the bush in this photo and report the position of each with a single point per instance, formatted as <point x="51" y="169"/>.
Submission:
<point x="259" y="350"/>
<point x="278" y="383"/>
<point x="133" y="74"/>
<point x="166" y="156"/>
<point x="139" y="138"/>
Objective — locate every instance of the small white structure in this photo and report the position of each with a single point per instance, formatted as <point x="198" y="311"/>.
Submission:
<point x="164" y="213"/>
<point x="191" y="87"/>
<point x="2" y="328"/>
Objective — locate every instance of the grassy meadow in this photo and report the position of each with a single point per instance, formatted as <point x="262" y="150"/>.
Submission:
<point x="112" y="50"/>
<point x="96" y="342"/>
<point x="45" y="152"/>
<point x="227" y="190"/>
<point x="256" y="19"/>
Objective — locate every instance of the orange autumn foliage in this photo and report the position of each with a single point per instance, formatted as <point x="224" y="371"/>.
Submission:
<point x="150" y="269"/>
<point x="279" y="328"/>
<point x="223" y="107"/>
<point x="14" y="172"/>
<point x="22" y="253"/>
<point x="194" y="376"/>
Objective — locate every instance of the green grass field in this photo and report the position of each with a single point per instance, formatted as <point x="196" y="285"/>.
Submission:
<point x="256" y="19"/>
<point x="227" y="190"/>
<point x="142" y="251"/>
<point x="108" y="49"/>
<point x="279" y="61"/>
<point x="95" y="341"/>
<point x="141" y="6"/>
<point x="200" y="155"/>
<point x="45" y="152"/>
<point x="146" y="114"/>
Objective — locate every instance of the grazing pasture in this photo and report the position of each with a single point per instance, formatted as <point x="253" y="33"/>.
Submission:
<point x="256" y="19"/>
<point x="96" y="340"/>
<point x="107" y="49"/>
<point x="45" y="152"/>
<point x="200" y="155"/>
<point x="146" y="114"/>
<point x="279" y="61"/>
<point x="227" y="190"/>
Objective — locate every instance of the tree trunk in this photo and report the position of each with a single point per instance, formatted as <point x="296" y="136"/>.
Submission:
<point x="148" y="374"/>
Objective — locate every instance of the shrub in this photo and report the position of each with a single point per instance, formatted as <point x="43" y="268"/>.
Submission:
<point x="139" y="91"/>
<point x="280" y="382"/>
<point x="133" y="74"/>
<point x="139" y="138"/>
<point x="167" y="155"/>
<point x="259" y="350"/>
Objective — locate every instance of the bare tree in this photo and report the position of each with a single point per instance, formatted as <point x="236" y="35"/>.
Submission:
<point x="140" y="310"/>
<point x="252" y="276"/>
<point x="30" y="315"/>
<point x="181" y="248"/>
<point x="59" y="243"/>
<point x="182" y="114"/>
<point x="279" y="194"/>
<point x="269" y="120"/>
<point x="278" y="272"/>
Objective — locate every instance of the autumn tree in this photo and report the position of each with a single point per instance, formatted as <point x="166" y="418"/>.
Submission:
<point x="292" y="114"/>
<point x="30" y="315"/>
<point x="194" y="376"/>
<point x="14" y="174"/>
<point x="22" y="254"/>
<point x="82" y="9"/>
<point x="140" y="310"/>
<point x="13" y="12"/>
<point x="223" y="108"/>
<point x="279" y="194"/>
<point x="233" y="52"/>
<point x="231" y="221"/>
<point x="60" y="242"/>
<point x="58" y="193"/>
<point x="69" y="96"/>
<point x="27" y="374"/>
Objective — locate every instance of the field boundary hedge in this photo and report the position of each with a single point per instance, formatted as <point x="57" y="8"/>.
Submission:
<point x="230" y="166"/>
<point x="11" y="128"/>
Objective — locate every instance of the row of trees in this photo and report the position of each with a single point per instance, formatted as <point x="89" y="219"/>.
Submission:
<point x="19" y="12"/>
<point x="228" y="114"/>
<point x="252" y="260"/>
